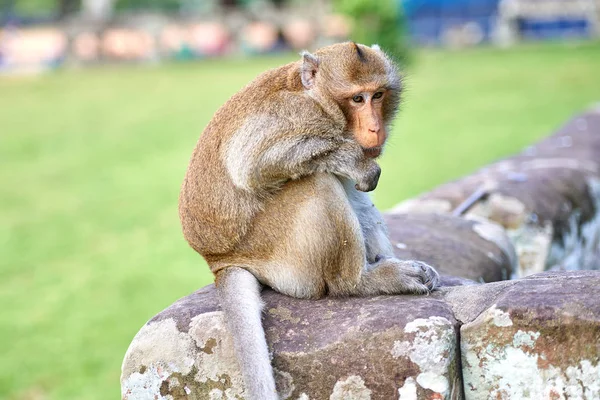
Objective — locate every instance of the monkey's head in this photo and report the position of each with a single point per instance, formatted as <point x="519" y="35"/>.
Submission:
<point x="363" y="82"/>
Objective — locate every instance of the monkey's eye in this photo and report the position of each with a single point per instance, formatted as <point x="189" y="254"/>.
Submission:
<point x="378" y="95"/>
<point x="358" y="98"/>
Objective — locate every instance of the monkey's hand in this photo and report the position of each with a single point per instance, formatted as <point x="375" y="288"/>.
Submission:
<point x="368" y="178"/>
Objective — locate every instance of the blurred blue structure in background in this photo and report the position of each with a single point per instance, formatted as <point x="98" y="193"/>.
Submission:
<point x="468" y="22"/>
<point x="432" y="22"/>
<point x="533" y="28"/>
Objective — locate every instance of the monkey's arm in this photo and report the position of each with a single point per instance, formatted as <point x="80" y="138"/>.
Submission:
<point x="273" y="154"/>
<point x="310" y="154"/>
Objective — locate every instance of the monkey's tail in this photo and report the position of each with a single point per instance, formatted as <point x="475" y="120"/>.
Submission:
<point x="239" y="292"/>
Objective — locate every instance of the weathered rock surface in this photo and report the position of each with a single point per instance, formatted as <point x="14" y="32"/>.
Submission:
<point x="476" y="250"/>
<point x="329" y="349"/>
<point x="535" y="338"/>
<point x="540" y="339"/>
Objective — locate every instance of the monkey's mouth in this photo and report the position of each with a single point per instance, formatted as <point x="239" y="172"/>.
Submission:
<point x="372" y="152"/>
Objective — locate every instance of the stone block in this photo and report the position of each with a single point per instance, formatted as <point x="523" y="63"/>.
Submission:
<point x="539" y="339"/>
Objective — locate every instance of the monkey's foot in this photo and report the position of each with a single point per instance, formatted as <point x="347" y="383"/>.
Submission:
<point x="426" y="277"/>
<point x="393" y="276"/>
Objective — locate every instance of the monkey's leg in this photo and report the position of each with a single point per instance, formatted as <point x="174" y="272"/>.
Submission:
<point x="378" y="247"/>
<point x="239" y="294"/>
<point x="321" y="246"/>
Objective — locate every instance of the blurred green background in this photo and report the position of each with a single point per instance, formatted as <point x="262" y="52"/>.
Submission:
<point x="92" y="161"/>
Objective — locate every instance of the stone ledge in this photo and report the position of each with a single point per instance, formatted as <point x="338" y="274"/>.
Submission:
<point x="516" y="337"/>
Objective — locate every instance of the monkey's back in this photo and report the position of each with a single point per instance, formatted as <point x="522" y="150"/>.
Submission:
<point x="216" y="214"/>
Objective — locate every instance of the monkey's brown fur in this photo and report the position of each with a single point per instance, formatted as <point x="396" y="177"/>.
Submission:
<point x="270" y="187"/>
<point x="216" y="215"/>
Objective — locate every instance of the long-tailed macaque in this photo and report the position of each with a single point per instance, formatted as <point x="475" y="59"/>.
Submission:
<point x="274" y="193"/>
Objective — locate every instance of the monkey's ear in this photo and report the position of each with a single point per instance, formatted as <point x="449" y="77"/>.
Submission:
<point x="376" y="47"/>
<point x="308" y="71"/>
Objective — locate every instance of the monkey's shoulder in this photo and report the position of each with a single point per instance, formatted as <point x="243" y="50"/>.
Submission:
<point x="270" y="83"/>
<point x="272" y="108"/>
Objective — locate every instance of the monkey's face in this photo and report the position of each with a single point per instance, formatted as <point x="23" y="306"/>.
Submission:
<point x="363" y="82"/>
<point x="366" y="85"/>
<point x="365" y="119"/>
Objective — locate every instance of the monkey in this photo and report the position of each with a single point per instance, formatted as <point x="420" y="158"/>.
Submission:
<point x="275" y="194"/>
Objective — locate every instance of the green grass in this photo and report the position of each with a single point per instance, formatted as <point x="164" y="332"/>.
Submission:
<point x="92" y="161"/>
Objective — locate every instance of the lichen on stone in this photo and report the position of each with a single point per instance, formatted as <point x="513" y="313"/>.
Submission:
<point x="351" y="388"/>
<point x="200" y="360"/>
<point x="432" y="349"/>
<point x="408" y="391"/>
